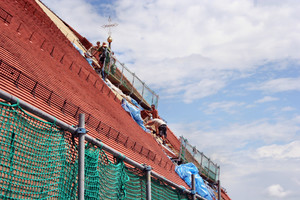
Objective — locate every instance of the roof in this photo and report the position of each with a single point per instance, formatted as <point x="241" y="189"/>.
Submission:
<point x="224" y="195"/>
<point x="52" y="75"/>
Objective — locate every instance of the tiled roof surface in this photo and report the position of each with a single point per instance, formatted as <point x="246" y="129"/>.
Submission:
<point x="224" y="195"/>
<point x="34" y="45"/>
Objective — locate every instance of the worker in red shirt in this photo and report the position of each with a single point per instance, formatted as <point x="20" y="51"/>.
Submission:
<point x="153" y="112"/>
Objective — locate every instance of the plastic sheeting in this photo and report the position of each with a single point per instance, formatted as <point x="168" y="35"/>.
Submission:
<point x="185" y="172"/>
<point x="78" y="49"/>
<point x="135" y="113"/>
<point x="211" y="191"/>
<point x="89" y="60"/>
<point x="136" y="104"/>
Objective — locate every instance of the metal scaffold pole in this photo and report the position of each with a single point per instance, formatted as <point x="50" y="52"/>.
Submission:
<point x="148" y="184"/>
<point x="193" y="187"/>
<point x="219" y="190"/>
<point x="81" y="152"/>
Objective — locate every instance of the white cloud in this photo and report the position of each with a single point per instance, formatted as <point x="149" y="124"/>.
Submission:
<point x="286" y="151"/>
<point x="279" y="85"/>
<point x="241" y="136"/>
<point x="249" y="153"/>
<point x="287" y="108"/>
<point x="203" y="88"/>
<point x="277" y="191"/>
<point x="82" y="16"/>
<point x="266" y="99"/>
<point x="226" y="106"/>
<point x="233" y="35"/>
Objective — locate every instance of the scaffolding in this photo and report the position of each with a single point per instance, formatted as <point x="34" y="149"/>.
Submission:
<point x="207" y="168"/>
<point x="46" y="159"/>
<point x="129" y="83"/>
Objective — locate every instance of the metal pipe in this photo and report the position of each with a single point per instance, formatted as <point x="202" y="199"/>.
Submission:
<point x="122" y="73"/>
<point x="219" y="190"/>
<point x="193" y="187"/>
<point x="208" y="172"/>
<point x="81" y="153"/>
<point x="148" y="183"/>
<point x="14" y="100"/>
<point x="143" y="91"/>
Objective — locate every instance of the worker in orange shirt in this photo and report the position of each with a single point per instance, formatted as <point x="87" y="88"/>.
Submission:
<point x="153" y="112"/>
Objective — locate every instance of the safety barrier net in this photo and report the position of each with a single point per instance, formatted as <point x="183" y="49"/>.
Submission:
<point x="40" y="161"/>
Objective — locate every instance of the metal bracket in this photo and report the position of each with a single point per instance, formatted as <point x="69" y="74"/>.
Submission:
<point x="193" y="192"/>
<point x="147" y="167"/>
<point x="80" y="131"/>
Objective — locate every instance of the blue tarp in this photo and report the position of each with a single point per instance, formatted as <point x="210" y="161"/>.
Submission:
<point x="185" y="172"/>
<point x="89" y="60"/>
<point x="78" y="49"/>
<point x="136" y="104"/>
<point x="135" y="113"/>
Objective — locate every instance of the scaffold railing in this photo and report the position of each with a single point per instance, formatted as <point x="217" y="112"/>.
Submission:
<point x="128" y="82"/>
<point x="207" y="168"/>
<point x="41" y="158"/>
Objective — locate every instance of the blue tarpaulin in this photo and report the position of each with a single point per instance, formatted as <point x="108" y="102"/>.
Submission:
<point x="136" y="104"/>
<point x="90" y="61"/>
<point x="78" y="49"/>
<point x="135" y="113"/>
<point x="185" y="172"/>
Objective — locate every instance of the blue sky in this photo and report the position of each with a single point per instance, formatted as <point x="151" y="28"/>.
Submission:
<point x="228" y="76"/>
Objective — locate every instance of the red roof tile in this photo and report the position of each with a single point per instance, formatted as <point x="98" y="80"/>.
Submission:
<point x="34" y="45"/>
<point x="224" y="195"/>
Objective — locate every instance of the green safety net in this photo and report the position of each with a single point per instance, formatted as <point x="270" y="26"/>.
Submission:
<point x="35" y="157"/>
<point x="103" y="179"/>
<point x="40" y="161"/>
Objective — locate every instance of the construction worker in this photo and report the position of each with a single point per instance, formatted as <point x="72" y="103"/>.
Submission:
<point x="160" y="128"/>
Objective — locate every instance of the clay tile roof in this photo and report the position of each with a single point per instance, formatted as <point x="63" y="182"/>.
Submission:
<point x="224" y="195"/>
<point x="52" y="75"/>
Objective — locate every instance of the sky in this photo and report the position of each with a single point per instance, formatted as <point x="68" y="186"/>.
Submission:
<point x="228" y="77"/>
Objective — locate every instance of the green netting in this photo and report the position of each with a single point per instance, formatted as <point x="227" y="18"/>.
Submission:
<point x="39" y="161"/>
<point x="161" y="191"/>
<point x="103" y="179"/>
<point x="33" y="158"/>
<point x="136" y="188"/>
